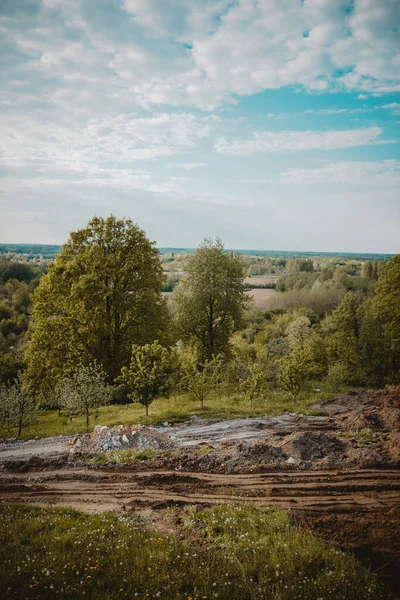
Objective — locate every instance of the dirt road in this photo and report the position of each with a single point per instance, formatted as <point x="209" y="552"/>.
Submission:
<point x="98" y="490"/>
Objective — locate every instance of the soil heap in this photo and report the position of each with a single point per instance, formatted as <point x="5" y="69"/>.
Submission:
<point x="120" y="437"/>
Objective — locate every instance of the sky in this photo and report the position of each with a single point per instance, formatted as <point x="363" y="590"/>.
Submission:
<point x="271" y="124"/>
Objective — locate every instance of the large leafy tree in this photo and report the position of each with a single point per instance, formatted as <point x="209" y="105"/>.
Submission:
<point x="210" y="300"/>
<point x="101" y="295"/>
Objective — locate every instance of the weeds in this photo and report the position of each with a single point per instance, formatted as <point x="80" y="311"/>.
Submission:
<point x="225" y="552"/>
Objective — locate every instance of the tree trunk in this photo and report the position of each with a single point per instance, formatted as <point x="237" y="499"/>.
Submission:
<point x="20" y="426"/>
<point x="202" y="403"/>
<point x="147" y="410"/>
<point x="87" y="417"/>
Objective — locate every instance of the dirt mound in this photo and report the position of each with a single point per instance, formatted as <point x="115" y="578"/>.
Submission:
<point x="345" y="403"/>
<point x="120" y="437"/>
<point x="378" y="410"/>
<point x="393" y="447"/>
<point x="309" y="445"/>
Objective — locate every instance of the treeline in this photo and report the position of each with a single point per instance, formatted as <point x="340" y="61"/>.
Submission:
<point x="17" y="282"/>
<point x="101" y="332"/>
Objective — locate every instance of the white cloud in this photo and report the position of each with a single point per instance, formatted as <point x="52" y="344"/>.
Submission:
<point x="381" y="174"/>
<point x="393" y="106"/>
<point x="116" y="140"/>
<point x="280" y="141"/>
<point x="183" y="53"/>
<point x="187" y="166"/>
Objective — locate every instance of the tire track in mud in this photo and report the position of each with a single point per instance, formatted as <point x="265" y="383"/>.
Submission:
<point x="96" y="491"/>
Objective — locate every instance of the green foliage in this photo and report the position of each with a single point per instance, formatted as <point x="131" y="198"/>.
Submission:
<point x="254" y="386"/>
<point x="295" y="369"/>
<point x="84" y="388"/>
<point x="18" y="406"/>
<point x="101" y="294"/>
<point x="200" y="378"/>
<point x="209" y="302"/>
<point x="337" y="376"/>
<point x="384" y="309"/>
<point x="18" y="271"/>
<point x="342" y="330"/>
<point x="223" y="552"/>
<point x="149" y="373"/>
<point x="299" y="333"/>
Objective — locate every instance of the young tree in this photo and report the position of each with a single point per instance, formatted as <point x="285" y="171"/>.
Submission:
<point x="254" y="385"/>
<point x="299" y="333"/>
<point x="18" y="406"/>
<point x="210" y="300"/>
<point x="101" y="294"/>
<point x="149" y="373"/>
<point x="85" y="388"/>
<point x="199" y="379"/>
<point x="295" y="369"/>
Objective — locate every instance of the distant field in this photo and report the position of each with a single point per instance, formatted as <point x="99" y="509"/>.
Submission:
<point x="261" y="296"/>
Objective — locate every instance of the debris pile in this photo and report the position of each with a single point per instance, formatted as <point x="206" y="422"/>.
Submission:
<point x="380" y="411"/>
<point x="309" y="445"/>
<point x="120" y="437"/>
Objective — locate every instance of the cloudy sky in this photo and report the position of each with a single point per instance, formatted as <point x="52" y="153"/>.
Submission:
<point x="273" y="124"/>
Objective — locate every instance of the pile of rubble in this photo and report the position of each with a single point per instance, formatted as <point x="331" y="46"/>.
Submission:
<point x="379" y="410"/>
<point x="120" y="437"/>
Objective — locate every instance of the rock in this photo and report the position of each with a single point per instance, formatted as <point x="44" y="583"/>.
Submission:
<point x="102" y="439"/>
<point x="293" y="461"/>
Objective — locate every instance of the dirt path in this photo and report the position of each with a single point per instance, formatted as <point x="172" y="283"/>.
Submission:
<point x="98" y="490"/>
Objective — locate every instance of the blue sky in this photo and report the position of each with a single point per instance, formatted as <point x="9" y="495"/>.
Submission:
<point x="273" y="124"/>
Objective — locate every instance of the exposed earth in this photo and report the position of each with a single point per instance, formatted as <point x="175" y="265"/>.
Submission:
<point x="338" y="473"/>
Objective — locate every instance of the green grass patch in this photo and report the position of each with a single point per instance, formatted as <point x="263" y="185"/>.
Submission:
<point x="363" y="435"/>
<point x="229" y="404"/>
<point x="225" y="552"/>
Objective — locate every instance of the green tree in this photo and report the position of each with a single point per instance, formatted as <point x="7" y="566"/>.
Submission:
<point x="380" y="327"/>
<point x="209" y="302"/>
<point x="85" y="388"/>
<point x="101" y="294"/>
<point x="295" y="369"/>
<point x="18" y="406"/>
<point x="342" y="330"/>
<point x="299" y="333"/>
<point x="149" y="373"/>
<point x="200" y="378"/>
<point x="254" y="385"/>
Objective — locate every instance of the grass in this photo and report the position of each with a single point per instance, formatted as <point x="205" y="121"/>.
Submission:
<point x="228" y="405"/>
<point x="225" y="552"/>
<point x="362" y="435"/>
<point x="129" y="455"/>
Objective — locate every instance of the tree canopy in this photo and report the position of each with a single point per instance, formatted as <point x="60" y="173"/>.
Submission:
<point x="210" y="300"/>
<point x="101" y="295"/>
